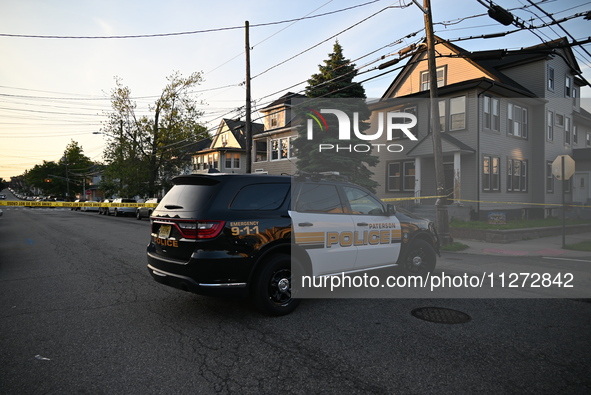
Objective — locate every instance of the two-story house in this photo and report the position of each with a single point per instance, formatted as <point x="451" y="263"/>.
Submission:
<point x="226" y="150"/>
<point x="273" y="148"/>
<point x="504" y="117"/>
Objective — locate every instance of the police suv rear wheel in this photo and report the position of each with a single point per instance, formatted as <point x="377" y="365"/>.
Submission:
<point x="419" y="260"/>
<point x="271" y="292"/>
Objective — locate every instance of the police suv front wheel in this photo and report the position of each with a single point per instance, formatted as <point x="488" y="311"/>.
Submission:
<point x="271" y="291"/>
<point x="419" y="260"/>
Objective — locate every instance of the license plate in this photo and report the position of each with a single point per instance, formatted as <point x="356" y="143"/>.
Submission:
<point x="164" y="231"/>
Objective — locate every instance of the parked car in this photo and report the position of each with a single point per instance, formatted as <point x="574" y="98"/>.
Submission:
<point x="117" y="211"/>
<point x="104" y="210"/>
<point x="146" y="212"/>
<point x="88" y="208"/>
<point x="77" y="201"/>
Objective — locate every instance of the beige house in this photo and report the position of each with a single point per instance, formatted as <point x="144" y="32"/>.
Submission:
<point x="226" y="151"/>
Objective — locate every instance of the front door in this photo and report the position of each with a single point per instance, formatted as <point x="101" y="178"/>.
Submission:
<point x="581" y="187"/>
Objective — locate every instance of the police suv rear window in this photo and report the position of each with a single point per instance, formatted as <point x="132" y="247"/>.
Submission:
<point x="187" y="197"/>
<point x="260" y="197"/>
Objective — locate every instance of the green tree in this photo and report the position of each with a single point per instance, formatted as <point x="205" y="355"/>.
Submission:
<point x="142" y="150"/>
<point x="333" y="88"/>
<point x="64" y="177"/>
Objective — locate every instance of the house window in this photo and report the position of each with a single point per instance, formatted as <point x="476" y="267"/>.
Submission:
<point x="574" y="96"/>
<point x="282" y="148"/>
<point x="516" y="175"/>
<point x="409" y="176"/>
<point x="588" y="140"/>
<point x="394" y="176"/>
<point x="550" y="78"/>
<point x="415" y="129"/>
<point x="550" y="130"/>
<point x="260" y="150"/>
<point x="575" y="135"/>
<point x="232" y="161"/>
<point x="491" y="169"/>
<point x="567" y="131"/>
<point x="517" y="123"/>
<point x="457" y="113"/>
<point x="549" y="178"/>
<point x="224" y="139"/>
<point x="212" y="161"/>
<point x="274" y="119"/>
<point x="401" y="176"/>
<point x="491" y="113"/>
<point x="399" y="134"/>
<point x="567" y="87"/>
<point x="559" y="120"/>
<point x="442" y="115"/>
<point x="440" y="78"/>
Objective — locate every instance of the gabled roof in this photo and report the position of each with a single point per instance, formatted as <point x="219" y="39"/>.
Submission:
<point x="492" y="68"/>
<point x="238" y="129"/>
<point x="540" y="52"/>
<point x="284" y="100"/>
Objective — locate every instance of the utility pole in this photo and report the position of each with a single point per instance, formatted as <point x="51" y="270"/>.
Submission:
<point x="248" y="129"/>
<point x="563" y="200"/>
<point x="441" y="219"/>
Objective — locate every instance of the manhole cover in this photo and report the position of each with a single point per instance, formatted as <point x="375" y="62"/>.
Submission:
<point x="440" y="315"/>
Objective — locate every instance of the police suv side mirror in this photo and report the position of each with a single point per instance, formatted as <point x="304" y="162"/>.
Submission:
<point x="390" y="210"/>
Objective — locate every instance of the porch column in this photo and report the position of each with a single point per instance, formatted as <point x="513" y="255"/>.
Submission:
<point x="417" y="180"/>
<point x="457" y="178"/>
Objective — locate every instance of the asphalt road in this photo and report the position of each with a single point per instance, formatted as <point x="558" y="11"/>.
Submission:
<point x="79" y="313"/>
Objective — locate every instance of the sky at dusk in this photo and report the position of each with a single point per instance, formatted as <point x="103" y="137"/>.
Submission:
<point x="60" y="58"/>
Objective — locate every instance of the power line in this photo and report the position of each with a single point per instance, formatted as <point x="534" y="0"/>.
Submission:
<point x="187" y="32"/>
<point x="330" y="38"/>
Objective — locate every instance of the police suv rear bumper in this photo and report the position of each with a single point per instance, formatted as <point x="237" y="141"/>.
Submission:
<point x="190" y="285"/>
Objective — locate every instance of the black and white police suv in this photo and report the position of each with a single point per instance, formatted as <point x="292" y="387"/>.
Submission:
<point x="240" y="234"/>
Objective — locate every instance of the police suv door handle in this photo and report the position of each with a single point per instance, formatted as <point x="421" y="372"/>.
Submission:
<point x="362" y="224"/>
<point x="305" y="224"/>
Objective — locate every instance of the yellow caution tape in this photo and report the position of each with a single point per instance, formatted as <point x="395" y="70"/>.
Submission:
<point x="485" y="201"/>
<point x="72" y="204"/>
<point x="410" y="198"/>
<point x="522" y="203"/>
<point x="100" y="204"/>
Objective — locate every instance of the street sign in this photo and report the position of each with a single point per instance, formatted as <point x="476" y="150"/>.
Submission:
<point x="569" y="167"/>
<point x="88" y="192"/>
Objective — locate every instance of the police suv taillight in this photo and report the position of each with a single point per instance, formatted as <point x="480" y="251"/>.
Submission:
<point x="208" y="229"/>
<point x="200" y="229"/>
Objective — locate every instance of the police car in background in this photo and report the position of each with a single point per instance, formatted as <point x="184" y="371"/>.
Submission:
<point x="241" y="234"/>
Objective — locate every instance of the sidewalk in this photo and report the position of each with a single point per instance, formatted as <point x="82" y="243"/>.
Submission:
<point x="545" y="246"/>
